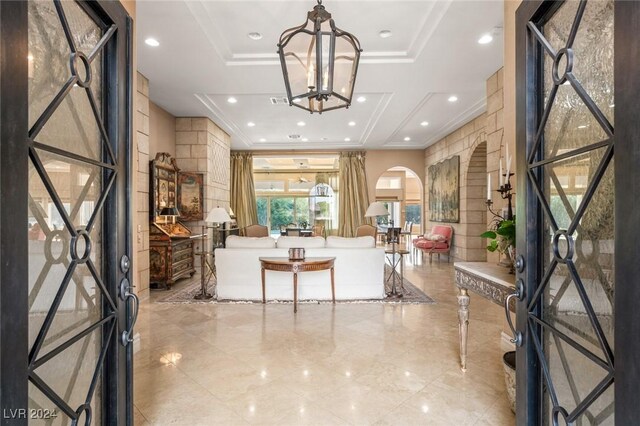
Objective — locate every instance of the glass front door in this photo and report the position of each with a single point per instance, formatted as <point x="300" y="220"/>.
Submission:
<point x="566" y="209"/>
<point x="78" y="237"/>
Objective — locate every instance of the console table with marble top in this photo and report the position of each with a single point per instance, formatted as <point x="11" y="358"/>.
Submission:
<point x="491" y="281"/>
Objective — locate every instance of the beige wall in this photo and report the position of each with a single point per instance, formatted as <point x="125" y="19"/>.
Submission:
<point x="488" y="128"/>
<point x="379" y="161"/>
<point x="141" y="154"/>
<point x="163" y="131"/>
<point x="510" y="7"/>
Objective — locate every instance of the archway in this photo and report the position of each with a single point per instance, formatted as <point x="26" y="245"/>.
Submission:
<point x="475" y="215"/>
<point x="400" y="188"/>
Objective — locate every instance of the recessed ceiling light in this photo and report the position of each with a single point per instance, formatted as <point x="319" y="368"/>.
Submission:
<point x="263" y="140"/>
<point x="352" y="123"/>
<point x="424" y="123"/>
<point x="254" y="36"/>
<point x="385" y="33"/>
<point x="407" y="139"/>
<point x="361" y="99"/>
<point x="152" y="42"/>
<point x="453" y="98"/>
<point x="301" y="123"/>
<point x="251" y="124"/>
<point x="485" y="39"/>
<point x="232" y="100"/>
<point x="305" y="140"/>
<point x="347" y="139"/>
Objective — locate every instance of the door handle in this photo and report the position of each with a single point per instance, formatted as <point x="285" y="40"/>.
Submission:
<point x="519" y="294"/>
<point x="126" y="295"/>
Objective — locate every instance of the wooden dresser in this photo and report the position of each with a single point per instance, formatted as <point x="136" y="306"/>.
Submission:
<point x="171" y="253"/>
<point x="171" y="243"/>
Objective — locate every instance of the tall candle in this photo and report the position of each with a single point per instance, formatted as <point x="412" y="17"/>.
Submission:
<point x="489" y="186"/>
<point x="506" y="179"/>
<point x="500" y="175"/>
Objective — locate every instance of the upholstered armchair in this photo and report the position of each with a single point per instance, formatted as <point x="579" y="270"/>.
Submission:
<point x="256" y="231"/>
<point x="366" y="230"/>
<point x="437" y="241"/>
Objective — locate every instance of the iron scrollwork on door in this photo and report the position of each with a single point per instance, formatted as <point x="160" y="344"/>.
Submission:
<point x="570" y="170"/>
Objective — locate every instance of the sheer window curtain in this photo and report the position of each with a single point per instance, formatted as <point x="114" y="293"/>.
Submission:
<point x="243" y="195"/>
<point x="354" y="194"/>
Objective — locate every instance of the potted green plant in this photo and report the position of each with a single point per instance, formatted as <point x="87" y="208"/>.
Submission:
<point x="503" y="240"/>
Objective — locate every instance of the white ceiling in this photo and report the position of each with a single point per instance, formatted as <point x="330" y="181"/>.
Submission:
<point x="205" y="56"/>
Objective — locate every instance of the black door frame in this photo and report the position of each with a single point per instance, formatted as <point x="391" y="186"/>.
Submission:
<point x="627" y="208"/>
<point x="117" y="389"/>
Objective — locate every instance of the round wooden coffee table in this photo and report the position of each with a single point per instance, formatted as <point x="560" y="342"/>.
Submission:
<point x="284" y="264"/>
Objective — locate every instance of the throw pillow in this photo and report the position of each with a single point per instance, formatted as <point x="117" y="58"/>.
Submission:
<point x="437" y="237"/>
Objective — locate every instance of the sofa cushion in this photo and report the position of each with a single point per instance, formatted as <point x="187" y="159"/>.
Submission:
<point x="357" y="242"/>
<point x="234" y="241"/>
<point x="300" y="242"/>
<point x="436" y="237"/>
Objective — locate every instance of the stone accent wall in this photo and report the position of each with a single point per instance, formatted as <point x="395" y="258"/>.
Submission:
<point x="141" y="216"/>
<point x="202" y="146"/>
<point x="480" y="138"/>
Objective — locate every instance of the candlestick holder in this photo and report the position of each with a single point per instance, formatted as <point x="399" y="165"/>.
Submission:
<point x="506" y="194"/>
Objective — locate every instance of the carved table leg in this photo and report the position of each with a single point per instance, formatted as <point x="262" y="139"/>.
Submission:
<point x="333" y="288"/>
<point x="263" y="298"/>
<point x="463" y="324"/>
<point x="295" y="292"/>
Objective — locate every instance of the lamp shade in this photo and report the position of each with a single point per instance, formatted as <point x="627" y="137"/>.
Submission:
<point x="169" y="211"/>
<point x="376" y="209"/>
<point x="218" y="215"/>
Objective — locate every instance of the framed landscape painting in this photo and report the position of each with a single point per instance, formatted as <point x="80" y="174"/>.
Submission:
<point x="190" y="196"/>
<point x="444" y="190"/>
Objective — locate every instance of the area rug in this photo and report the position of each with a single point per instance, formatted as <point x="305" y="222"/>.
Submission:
<point x="411" y="294"/>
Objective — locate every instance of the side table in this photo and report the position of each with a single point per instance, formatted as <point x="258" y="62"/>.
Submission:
<point x="284" y="264"/>
<point x="395" y="257"/>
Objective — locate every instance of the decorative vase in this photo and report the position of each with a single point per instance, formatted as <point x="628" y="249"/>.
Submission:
<point x="509" y="365"/>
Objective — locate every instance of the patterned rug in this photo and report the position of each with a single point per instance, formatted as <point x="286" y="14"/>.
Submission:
<point x="411" y="294"/>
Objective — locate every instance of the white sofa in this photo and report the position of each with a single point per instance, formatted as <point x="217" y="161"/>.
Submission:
<point x="359" y="269"/>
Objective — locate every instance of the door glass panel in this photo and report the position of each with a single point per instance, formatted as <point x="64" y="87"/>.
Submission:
<point x="302" y="210"/>
<point x="86" y="33"/>
<point x="72" y="127"/>
<point x="577" y="300"/>
<point x="48" y="57"/>
<point x="593" y="64"/>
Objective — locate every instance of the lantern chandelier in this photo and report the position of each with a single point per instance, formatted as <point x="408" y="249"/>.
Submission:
<point x="319" y="62"/>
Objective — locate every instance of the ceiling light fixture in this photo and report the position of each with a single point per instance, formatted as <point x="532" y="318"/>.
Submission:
<point x="361" y="99"/>
<point x="232" y="100"/>
<point x="305" y="140"/>
<point x="453" y="98"/>
<point x="255" y="36"/>
<point x="485" y="39"/>
<point x="301" y="123"/>
<point x="152" y="42"/>
<point x="347" y="139"/>
<point x="385" y="33"/>
<point x="251" y="124"/>
<point x="424" y="123"/>
<point x="263" y="140"/>
<point x="312" y="75"/>
<point x="352" y="123"/>
<point x="407" y="139"/>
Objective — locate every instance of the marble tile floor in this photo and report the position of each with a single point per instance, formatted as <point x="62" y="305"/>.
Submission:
<point x="349" y="364"/>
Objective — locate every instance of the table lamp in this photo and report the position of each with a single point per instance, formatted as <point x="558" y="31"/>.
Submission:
<point x="220" y="216"/>
<point x="376" y="209"/>
<point x="169" y="212"/>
